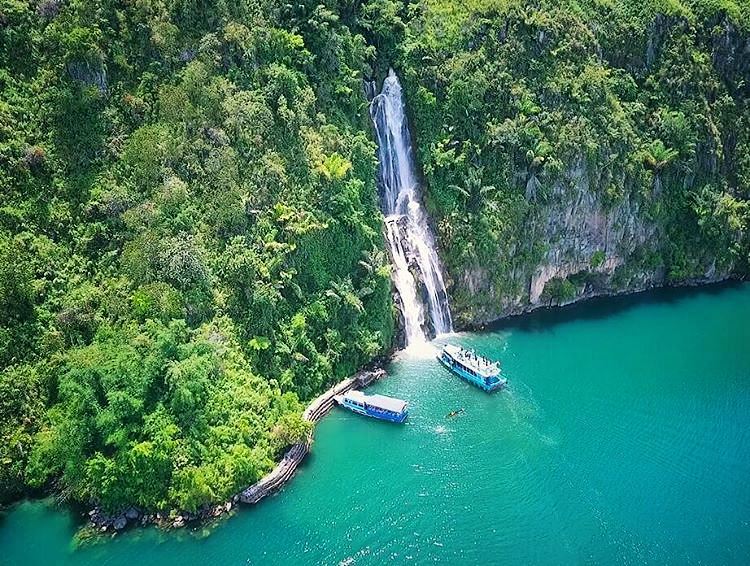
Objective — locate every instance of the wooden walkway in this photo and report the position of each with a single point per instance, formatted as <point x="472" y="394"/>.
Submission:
<point x="315" y="411"/>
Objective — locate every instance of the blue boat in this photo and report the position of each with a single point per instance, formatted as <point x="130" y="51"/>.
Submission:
<point x="376" y="406"/>
<point x="475" y="369"/>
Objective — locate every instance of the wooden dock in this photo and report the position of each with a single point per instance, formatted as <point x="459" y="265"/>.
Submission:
<point x="316" y="410"/>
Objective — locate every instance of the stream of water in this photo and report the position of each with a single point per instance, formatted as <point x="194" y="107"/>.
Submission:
<point x="410" y="240"/>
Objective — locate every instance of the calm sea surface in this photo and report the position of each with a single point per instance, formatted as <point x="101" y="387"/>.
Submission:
<point x="623" y="438"/>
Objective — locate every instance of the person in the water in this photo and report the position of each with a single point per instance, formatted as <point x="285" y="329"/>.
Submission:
<point x="455" y="413"/>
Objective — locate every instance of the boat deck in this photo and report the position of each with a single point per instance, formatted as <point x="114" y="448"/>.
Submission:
<point x="477" y="370"/>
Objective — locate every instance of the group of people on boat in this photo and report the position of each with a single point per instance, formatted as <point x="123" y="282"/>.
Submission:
<point x="477" y="360"/>
<point x="470" y="366"/>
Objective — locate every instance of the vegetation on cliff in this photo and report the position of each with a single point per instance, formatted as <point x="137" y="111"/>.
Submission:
<point x="190" y="242"/>
<point x="524" y="109"/>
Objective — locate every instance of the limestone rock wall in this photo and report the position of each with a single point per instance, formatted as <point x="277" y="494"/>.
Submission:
<point x="583" y="239"/>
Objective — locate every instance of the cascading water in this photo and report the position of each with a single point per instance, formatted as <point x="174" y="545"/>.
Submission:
<point x="416" y="268"/>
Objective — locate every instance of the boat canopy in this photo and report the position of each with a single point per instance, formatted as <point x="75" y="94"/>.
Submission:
<point x="471" y="360"/>
<point x="453" y="350"/>
<point x="378" y="401"/>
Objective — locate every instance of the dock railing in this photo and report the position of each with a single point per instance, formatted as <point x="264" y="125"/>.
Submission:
<point x="316" y="410"/>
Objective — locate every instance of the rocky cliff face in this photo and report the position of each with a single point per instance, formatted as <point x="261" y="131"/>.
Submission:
<point x="730" y="48"/>
<point x="585" y="236"/>
<point x="596" y="247"/>
<point x="603" y="161"/>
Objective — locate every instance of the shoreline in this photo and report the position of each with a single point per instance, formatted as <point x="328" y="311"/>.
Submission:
<point x="520" y="311"/>
<point x="285" y="469"/>
<point x="558" y="385"/>
<point x="274" y="480"/>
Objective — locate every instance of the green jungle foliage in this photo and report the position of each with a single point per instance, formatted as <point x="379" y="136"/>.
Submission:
<point x="511" y="100"/>
<point x="190" y="242"/>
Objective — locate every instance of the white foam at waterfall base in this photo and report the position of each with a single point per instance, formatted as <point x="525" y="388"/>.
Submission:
<point x="410" y="240"/>
<point x="421" y="350"/>
<point x="406" y="286"/>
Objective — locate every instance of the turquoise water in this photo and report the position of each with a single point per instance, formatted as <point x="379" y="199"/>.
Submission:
<point x="623" y="438"/>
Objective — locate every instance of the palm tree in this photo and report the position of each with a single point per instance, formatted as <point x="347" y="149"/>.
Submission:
<point x="474" y="189"/>
<point x="334" y="167"/>
<point x="657" y="157"/>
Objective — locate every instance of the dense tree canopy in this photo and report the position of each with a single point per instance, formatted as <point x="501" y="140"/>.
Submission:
<point x="190" y="240"/>
<point x="513" y="102"/>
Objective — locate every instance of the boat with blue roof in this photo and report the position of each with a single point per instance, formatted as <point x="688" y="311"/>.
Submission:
<point x="376" y="406"/>
<point x="472" y="367"/>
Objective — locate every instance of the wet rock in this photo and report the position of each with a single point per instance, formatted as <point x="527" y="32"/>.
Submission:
<point x="120" y="523"/>
<point x="91" y="74"/>
<point x="657" y="34"/>
<point x="731" y="54"/>
<point x="48" y="9"/>
<point x="217" y="136"/>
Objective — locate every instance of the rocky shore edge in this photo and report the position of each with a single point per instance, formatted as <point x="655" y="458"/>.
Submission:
<point x="317" y="409"/>
<point x="271" y="482"/>
<point x="516" y="311"/>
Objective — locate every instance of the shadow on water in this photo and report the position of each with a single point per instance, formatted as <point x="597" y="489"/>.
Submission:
<point x="605" y="306"/>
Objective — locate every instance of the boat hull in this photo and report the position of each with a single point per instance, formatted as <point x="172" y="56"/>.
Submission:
<point x="376" y="414"/>
<point x="477" y="381"/>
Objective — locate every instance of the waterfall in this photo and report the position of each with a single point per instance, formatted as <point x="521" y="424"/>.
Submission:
<point x="416" y="274"/>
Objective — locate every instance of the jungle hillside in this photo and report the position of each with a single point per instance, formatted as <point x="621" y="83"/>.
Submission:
<point x="191" y="242"/>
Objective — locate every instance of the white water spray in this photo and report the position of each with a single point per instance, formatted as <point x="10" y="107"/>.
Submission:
<point x="410" y="241"/>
